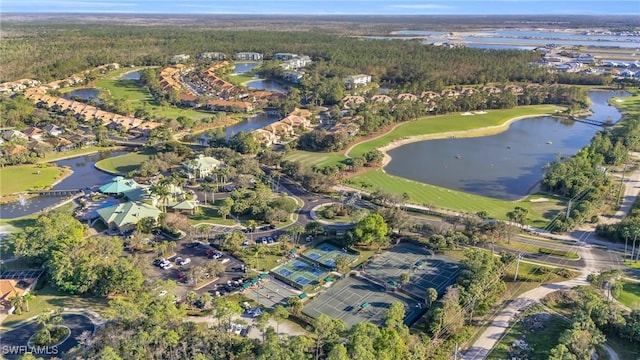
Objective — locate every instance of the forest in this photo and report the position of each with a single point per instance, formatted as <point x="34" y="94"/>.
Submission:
<point x="57" y="51"/>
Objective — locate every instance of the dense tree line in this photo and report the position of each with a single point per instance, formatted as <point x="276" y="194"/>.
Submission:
<point x="76" y="263"/>
<point x="59" y="50"/>
<point x="583" y="178"/>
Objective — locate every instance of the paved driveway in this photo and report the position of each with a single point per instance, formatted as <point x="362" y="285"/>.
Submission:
<point x="14" y="342"/>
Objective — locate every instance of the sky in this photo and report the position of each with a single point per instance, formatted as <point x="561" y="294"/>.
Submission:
<point x="328" y="7"/>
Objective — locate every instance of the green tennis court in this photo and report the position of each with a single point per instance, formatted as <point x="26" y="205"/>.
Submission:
<point x="326" y="254"/>
<point x="356" y="300"/>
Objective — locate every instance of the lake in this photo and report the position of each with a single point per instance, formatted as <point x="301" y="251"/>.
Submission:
<point x="249" y="124"/>
<point x="505" y="166"/>
<point x="269" y="85"/>
<point x="134" y="75"/>
<point x="243" y="68"/>
<point x="84" y="93"/>
<point x="84" y="175"/>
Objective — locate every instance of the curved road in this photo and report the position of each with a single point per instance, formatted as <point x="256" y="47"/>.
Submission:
<point x="14" y="342"/>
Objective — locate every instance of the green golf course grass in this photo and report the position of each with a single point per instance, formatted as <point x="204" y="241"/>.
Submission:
<point x="630" y="295"/>
<point x="20" y="178"/>
<point x="314" y="158"/>
<point x="123" y="164"/>
<point x="438" y="197"/>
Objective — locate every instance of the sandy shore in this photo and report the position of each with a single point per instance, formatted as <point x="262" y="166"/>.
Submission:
<point x="483" y="131"/>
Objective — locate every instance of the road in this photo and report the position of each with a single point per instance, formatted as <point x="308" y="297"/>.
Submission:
<point x="14" y="342"/>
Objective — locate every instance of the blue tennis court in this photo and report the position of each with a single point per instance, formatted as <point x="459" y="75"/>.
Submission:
<point x="302" y="280"/>
<point x="313" y="256"/>
<point x="326" y="255"/>
<point x="299" y="265"/>
<point x="284" y="272"/>
<point x="316" y="271"/>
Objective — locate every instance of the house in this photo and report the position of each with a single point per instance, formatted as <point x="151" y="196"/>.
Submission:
<point x="60" y="143"/>
<point x="353" y="81"/>
<point x="231" y="106"/>
<point x="10" y="134"/>
<point x="381" y="99"/>
<point x="265" y="137"/>
<point x="188" y="99"/>
<point x="184" y="206"/>
<point x="125" y="216"/>
<point x="491" y="90"/>
<point x="352" y="99"/>
<point x="10" y="288"/>
<point x="284" y="56"/>
<point x="468" y="91"/>
<point x="202" y="166"/>
<point x="296" y="121"/>
<point x="280" y="129"/>
<point x="14" y="149"/>
<point x="450" y="93"/>
<point x="407" y="97"/>
<point x="293" y="76"/>
<point x="33" y="133"/>
<point x="296" y="63"/>
<point x="429" y="95"/>
<point x="146" y="126"/>
<point x="254" y="56"/>
<point x="179" y="58"/>
<point x="350" y="128"/>
<point x="212" y="55"/>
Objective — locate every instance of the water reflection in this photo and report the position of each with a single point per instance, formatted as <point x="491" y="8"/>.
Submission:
<point x="505" y="166"/>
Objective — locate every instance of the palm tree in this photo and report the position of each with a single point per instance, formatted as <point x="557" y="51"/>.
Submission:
<point x="27" y="297"/>
<point x="206" y="187"/>
<point x="252" y="224"/>
<point x="17" y="302"/>
<point x="161" y="190"/>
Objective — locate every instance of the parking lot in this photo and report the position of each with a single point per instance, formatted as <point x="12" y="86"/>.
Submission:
<point x="199" y="258"/>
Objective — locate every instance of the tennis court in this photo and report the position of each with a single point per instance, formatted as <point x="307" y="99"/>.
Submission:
<point x="425" y="269"/>
<point x="299" y="273"/>
<point x="355" y="300"/>
<point x="271" y="293"/>
<point x="326" y="254"/>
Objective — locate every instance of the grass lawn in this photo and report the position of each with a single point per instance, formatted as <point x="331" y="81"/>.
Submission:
<point x="49" y="298"/>
<point x="19" y="178"/>
<point x="536" y="249"/>
<point x="239" y="79"/>
<point x="314" y="158"/>
<point x="336" y="219"/>
<point x="209" y="214"/>
<point x="124" y="164"/>
<point x="630" y="295"/>
<point x="439" y="197"/>
<point x="138" y="97"/>
<point x="54" y="156"/>
<point x="536" y="273"/>
<point x="541" y="341"/>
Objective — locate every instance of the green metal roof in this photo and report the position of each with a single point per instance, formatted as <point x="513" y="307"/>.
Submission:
<point x="185" y="205"/>
<point x="119" y="185"/>
<point x="128" y="213"/>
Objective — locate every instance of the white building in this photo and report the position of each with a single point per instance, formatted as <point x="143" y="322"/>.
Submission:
<point x="213" y="55"/>
<point x="179" y="58"/>
<point x="353" y="81"/>
<point x="254" y="56"/>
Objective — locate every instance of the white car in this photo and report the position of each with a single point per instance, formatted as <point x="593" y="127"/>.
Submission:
<point x="183" y="261"/>
<point x="163" y="293"/>
<point x="167" y="266"/>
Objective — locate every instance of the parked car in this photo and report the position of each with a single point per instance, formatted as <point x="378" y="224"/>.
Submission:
<point x="184" y="261"/>
<point x="245" y="331"/>
<point x="166" y="266"/>
<point x="192" y="245"/>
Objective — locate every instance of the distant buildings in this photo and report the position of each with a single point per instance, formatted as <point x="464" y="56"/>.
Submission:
<point x="213" y="55"/>
<point x="353" y="81"/>
<point x="253" y="56"/>
<point x="176" y="59"/>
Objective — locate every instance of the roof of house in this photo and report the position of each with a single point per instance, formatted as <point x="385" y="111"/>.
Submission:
<point x="9" y="288"/>
<point x="142" y="193"/>
<point x="119" y="185"/>
<point x="128" y="213"/>
<point x="184" y="205"/>
<point x="32" y="131"/>
<point x="203" y="162"/>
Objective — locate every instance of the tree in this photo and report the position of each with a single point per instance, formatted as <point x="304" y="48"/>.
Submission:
<point x="338" y="352"/>
<point x="432" y="295"/>
<point x="262" y="322"/>
<point x="518" y="215"/>
<point x="405" y="277"/>
<point x="17" y="303"/>
<point x="26" y="298"/>
<point x="280" y="313"/>
<point x="372" y="230"/>
<point x="343" y="264"/>
<point x="295" y="232"/>
<point x="313" y="227"/>
<point x="295" y="305"/>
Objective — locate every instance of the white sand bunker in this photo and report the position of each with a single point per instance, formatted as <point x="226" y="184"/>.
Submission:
<point x="543" y="199"/>
<point x="466" y="114"/>
<point x="619" y="100"/>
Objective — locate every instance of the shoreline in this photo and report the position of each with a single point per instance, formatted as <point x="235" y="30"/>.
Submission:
<point x="477" y="132"/>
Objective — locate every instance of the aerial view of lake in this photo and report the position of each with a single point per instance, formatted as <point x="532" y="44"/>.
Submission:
<point x="84" y="175"/>
<point x="85" y="94"/>
<point x="243" y="68"/>
<point x="507" y="165"/>
<point x="134" y="75"/>
<point x="268" y="85"/>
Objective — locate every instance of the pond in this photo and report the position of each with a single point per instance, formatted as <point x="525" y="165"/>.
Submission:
<point x="269" y="85"/>
<point x="243" y="68"/>
<point x="249" y="124"/>
<point x="134" y="75"/>
<point x="84" y="175"/>
<point x="507" y="165"/>
<point x="85" y="94"/>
